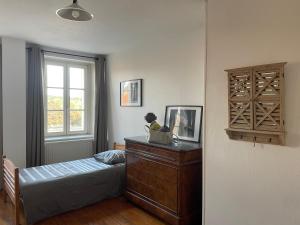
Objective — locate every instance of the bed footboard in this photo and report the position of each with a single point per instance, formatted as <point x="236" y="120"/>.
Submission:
<point x="119" y="146"/>
<point x="11" y="186"/>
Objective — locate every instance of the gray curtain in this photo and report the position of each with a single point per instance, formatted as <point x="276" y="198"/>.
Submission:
<point x="35" y="149"/>
<point x="100" y="131"/>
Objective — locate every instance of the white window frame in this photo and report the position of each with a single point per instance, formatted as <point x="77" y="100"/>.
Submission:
<point x="88" y="89"/>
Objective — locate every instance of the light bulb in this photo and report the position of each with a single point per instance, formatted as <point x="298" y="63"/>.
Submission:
<point x="75" y="14"/>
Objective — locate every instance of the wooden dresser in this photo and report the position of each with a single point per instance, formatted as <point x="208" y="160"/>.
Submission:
<point x="165" y="180"/>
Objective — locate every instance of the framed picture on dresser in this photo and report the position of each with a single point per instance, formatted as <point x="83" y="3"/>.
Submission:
<point x="131" y="93"/>
<point x="185" y="121"/>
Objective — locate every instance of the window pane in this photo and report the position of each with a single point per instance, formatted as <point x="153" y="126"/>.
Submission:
<point x="55" y="121"/>
<point x="76" y="120"/>
<point x="55" y="76"/>
<point x="55" y="98"/>
<point x="76" y="77"/>
<point x="76" y="99"/>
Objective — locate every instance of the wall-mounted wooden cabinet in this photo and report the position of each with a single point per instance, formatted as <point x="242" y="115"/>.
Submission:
<point x="256" y="104"/>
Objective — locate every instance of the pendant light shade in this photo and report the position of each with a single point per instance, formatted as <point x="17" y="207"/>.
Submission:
<point x="74" y="12"/>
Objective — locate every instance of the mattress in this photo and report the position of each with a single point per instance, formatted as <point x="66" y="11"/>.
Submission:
<point x="57" y="188"/>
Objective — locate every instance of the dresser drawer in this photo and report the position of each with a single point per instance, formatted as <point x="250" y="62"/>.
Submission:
<point x="153" y="180"/>
<point x="158" y="153"/>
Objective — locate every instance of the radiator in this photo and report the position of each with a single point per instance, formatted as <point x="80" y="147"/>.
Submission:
<point x="67" y="150"/>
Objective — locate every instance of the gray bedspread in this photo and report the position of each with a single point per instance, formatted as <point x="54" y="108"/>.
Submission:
<point x="56" y="188"/>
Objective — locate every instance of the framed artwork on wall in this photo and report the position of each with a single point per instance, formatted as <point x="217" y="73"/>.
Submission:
<point x="185" y="121"/>
<point x="131" y="93"/>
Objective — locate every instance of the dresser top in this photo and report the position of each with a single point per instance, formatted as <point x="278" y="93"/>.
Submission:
<point x="178" y="146"/>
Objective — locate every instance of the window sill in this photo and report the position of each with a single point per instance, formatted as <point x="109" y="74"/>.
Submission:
<point x="85" y="137"/>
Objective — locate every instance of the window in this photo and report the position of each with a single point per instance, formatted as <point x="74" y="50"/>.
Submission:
<point x="68" y="97"/>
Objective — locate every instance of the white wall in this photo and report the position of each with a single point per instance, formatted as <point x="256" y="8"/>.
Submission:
<point x="172" y="69"/>
<point x="14" y="99"/>
<point x="243" y="184"/>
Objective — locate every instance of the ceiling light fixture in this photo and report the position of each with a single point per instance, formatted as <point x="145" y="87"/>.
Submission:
<point x="74" y="12"/>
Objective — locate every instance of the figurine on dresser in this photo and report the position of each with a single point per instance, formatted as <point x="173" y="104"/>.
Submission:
<point x="156" y="133"/>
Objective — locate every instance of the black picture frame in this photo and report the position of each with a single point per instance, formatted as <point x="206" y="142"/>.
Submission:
<point x="197" y="130"/>
<point x="139" y="93"/>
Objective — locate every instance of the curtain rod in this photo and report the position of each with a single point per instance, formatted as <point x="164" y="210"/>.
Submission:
<point x="61" y="53"/>
<point x="69" y="54"/>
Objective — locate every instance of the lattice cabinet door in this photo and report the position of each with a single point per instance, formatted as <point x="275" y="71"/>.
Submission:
<point x="268" y="98"/>
<point x="240" y="98"/>
<point x="256" y="104"/>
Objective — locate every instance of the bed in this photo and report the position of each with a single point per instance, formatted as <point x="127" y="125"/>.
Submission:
<point x="49" y="190"/>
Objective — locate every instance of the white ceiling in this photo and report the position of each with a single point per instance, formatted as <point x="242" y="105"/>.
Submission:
<point x="117" y="24"/>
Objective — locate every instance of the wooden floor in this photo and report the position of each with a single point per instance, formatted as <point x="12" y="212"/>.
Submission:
<point x="109" y="212"/>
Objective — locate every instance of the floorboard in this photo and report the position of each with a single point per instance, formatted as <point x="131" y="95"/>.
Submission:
<point x="109" y="212"/>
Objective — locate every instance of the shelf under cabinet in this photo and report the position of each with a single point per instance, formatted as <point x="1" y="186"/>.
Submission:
<point x="256" y="136"/>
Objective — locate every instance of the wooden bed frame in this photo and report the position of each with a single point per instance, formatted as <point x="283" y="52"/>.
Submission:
<point x="11" y="185"/>
<point x="119" y="146"/>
